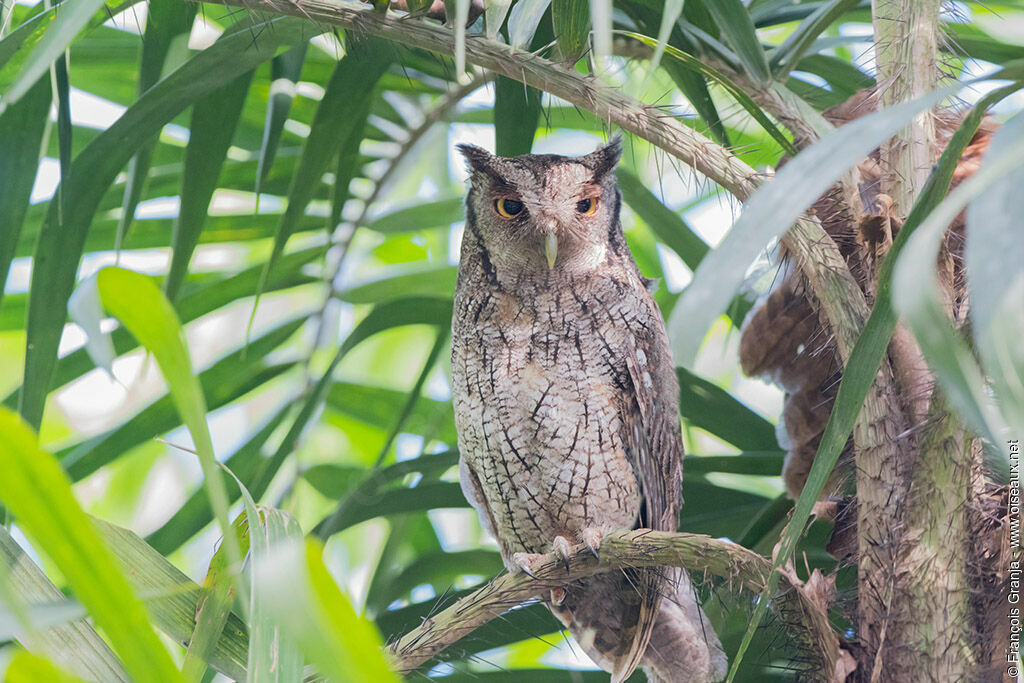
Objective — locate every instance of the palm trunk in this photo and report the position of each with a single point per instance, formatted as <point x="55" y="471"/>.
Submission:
<point x="914" y="603"/>
<point x="907" y="52"/>
<point x="935" y="552"/>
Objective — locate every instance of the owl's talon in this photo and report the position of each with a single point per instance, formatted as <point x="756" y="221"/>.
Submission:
<point x="563" y="549"/>
<point x="591" y="538"/>
<point x="527" y="562"/>
<point x="557" y="596"/>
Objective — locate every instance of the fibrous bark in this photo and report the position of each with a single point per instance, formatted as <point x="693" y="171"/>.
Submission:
<point x="918" y="478"/>
<point x="906" y="55"/>
<point x="740" y="569"/>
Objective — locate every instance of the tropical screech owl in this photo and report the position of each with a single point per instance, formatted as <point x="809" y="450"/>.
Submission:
<point x="566" y="402"/>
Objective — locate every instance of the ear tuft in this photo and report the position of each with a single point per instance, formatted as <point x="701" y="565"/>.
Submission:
<point x="603" y="160"/>
<point x="478" y="159"/>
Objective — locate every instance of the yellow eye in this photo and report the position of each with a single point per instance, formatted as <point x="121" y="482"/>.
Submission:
<point x="588" y="207"/>
<point x="507" y="208"/>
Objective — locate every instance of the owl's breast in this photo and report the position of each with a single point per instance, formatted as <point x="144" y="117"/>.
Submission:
<point x="538" y="389"/>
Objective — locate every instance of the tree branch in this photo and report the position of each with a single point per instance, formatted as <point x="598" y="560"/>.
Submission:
<point x="833" y="286"/>
<point x="741" y="569"/>
<point x="648" y="122"/>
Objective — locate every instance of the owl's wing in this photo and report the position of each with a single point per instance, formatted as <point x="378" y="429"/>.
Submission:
<point x="651" y="435"/>
<point x="650" y="421"/>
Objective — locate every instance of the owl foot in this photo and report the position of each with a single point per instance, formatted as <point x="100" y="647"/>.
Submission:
<point x="528" y="562"/>
<point x="563" y="548"/>
<point x="557" y="596"/>
<point x="591" y="537"/>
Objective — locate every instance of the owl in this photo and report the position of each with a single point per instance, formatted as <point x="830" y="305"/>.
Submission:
<point x="566" y="403"/>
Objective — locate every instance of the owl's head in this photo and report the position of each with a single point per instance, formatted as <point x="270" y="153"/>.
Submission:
<point x="544" y="212"/>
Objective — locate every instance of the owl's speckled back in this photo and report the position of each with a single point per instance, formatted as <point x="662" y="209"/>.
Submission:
<point x="565" y="395"/>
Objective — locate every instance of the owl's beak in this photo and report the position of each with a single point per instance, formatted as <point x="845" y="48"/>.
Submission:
<point x="551" y="249"/>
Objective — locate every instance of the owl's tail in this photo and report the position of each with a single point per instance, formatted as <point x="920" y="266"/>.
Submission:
<point x="684" y="646"/>
<point x="611" y="620"/>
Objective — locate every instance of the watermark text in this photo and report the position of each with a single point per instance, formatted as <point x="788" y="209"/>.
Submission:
<point x="1014" y="596"/>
